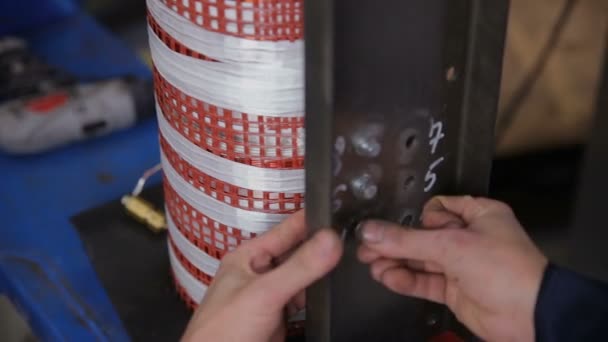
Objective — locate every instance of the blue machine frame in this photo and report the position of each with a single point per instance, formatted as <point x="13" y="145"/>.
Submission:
<point x="44" y="269"/>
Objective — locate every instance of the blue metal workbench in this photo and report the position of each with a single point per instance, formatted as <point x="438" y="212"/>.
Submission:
<point x="43" y="267"/>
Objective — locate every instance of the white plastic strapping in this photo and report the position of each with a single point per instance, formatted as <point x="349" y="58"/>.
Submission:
<point x="261" y="80"/>
<point x="251" y="221"/>
<point x="242" y="175"/>
<point x="198" y="258"/>
<point x="223" y="47"/>
<point x="271" y="90"/>
<point x="195" y="289"/>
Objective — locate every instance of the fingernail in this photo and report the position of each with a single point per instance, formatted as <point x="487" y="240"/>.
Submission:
<point x="371" y="232"/>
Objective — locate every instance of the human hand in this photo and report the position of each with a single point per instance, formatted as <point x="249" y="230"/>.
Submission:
<point x="475" y="258"/>
<point x="249" y="298"/>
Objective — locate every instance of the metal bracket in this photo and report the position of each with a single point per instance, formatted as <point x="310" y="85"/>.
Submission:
<point x="401" y="101"/>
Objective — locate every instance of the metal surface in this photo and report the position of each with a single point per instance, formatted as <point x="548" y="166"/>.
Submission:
<point x="420" y="78"/>
<point x="588" y="235"/>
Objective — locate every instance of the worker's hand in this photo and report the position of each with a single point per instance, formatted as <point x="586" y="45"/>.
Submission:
<point x="475" y="257"/>
<point x="251" y="295"/>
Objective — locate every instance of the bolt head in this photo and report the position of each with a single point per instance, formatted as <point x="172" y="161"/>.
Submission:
<point x="370" y="192"/>
<point x="368" y="148"/>
<point x="364" y="187"/>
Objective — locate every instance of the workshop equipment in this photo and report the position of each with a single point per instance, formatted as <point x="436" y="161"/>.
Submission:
<point x="40" y="122"/>
<point x="141" y="209"/>
<point x="230" y="96"/>
<point x="44" y="267"/>
<point x="401" y="98"/>
<point x="23" y="74"/>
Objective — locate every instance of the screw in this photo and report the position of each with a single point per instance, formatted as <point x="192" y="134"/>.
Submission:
<point x="340" y="145"/>
<point x="364" y="187"/>
<point x="367" y="146"/>
<point x="432" y="319"/>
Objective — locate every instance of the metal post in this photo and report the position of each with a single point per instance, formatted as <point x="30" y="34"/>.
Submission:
<point x="401" y="101"/>
<point x="588" y="233"/>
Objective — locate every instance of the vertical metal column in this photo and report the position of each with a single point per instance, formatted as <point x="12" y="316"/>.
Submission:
<point x="588" y="234"/>
<point x="401" y="101"/>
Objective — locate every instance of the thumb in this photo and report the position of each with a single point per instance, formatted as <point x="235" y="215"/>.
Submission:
<point x="315" y="258"/>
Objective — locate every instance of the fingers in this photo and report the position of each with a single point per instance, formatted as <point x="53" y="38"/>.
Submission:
<point x="262" y="263"/>
<point x="423" y="266"/>
<point x="401" y="280"/>
<point x="297" y="304"/>
<point x="441" y="219"/>
<point x="367" y="255"/>
<point x="281" y="238"/>
<point x="465" y="207"/>
<point x="310" y="262"/>
<point x="300" y="300"/>
<point x="393" y="241"/>
<point x="379" y="267"/>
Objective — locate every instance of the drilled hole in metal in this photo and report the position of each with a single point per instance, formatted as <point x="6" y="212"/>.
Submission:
<point x="409" y="182"/>
<point x="407" y="219"/>
<point x="410" y="142"/>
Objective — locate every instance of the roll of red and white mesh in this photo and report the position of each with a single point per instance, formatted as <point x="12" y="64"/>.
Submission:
<point x="230" y="101"/>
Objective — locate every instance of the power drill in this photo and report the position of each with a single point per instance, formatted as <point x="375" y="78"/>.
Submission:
<point x="22" y="73"/>
<point x="38" y="123"/>
<point x="45" y="108"/>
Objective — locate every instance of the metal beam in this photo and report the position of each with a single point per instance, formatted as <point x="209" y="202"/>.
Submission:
<point x="401" y="98"/>
<point x="588" y="234"/>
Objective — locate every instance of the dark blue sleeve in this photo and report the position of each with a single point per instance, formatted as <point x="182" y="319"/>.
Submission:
<point x="571" y="307"/>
